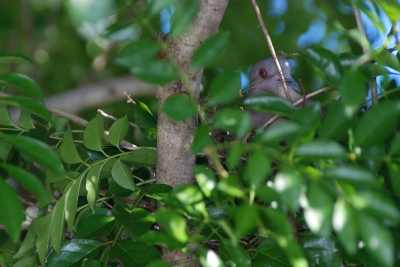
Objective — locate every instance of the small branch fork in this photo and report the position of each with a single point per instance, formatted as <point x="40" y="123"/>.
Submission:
<point x="271" y="48"/>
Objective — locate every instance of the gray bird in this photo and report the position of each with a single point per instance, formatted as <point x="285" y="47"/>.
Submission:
<point x="265" y="78"/>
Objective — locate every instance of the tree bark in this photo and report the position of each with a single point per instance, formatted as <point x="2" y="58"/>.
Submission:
<point x="174" y="161"/>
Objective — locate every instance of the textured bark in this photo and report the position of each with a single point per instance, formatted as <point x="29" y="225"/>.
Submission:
<point x="174" y="161"/>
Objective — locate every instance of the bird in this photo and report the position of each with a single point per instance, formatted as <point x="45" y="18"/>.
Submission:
<point x="265" y="78"/>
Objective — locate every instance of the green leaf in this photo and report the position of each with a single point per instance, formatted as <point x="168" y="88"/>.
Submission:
<point x="132" y="253"/>
<point x="96" y="225"/>
<point x="257" y="169"/>
<point x="322" y="251"/>
<point x="14" y="57"/>
<point x="335" y="124"/>
<point x="73" y="253"/>
<point x="179" y="107"/>
<point x="270" y="104"/>
<point x="118" y="131"/>
<point x="353" y="89"/>
<point x="145" y="120"/>
<point x="318" y="208"/>
<point x="123" y="175"/>
<point x="93" y="134"/>
<point x="394" y="171"/>
<point x="57" y="224"/>
<point x="36" y="151"/>
<point x="138" y="53"/>
<point x="278" y="131"/>
<point x="288" y="184"/>
<point x="92" y="185"/>
<point x="234" y="120"/>
<point x="157" y="191"/>
<point x="137" y="221"/>
<point x="26" y="180"/>
<point x="30" y="261"/>
<point x="205" y="179"/>
<point x="42" y="228"/>
<point x="11" y="214"/>
<point x="202" y="139"/>
<point x="5" y="118"/>
<point x="352" y="174"/>
<point x="377" y="123"/>
<point x="68" y="152"/>
<point x="28" y="244"/>
<point x="183" y="16"/>
<point x="141" y="157"/>
<point x="6" y="150"/>
<point x="234" y="253"/>
<point x="158" y="263"/>
<point x="378" y="239"/>
<point x="270" y="254"/>
<point x="25" y="120"/>
<point x="345" y="225"/>
<point x="29" y="105"/>
<point x="126" y="32"/>
<point x="327" y="62"/>
<point x="321" y="149"/>
<point x="209" y="258"/>
<point x="71" y="195"/>
<point x="245" y="219"/>
<point x="210" y="51"/>
<point x="92" y="263"/>
<point x="173" y="224"/>
<point x="156" y="71"/>
<point x="224" y="88"/>
<point x="189" y="199"/>
<point x="23" y="82"/>
<point x="278" y="220"/>
<point x="157" y="6"/>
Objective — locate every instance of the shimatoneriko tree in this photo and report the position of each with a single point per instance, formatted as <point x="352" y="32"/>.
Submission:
<point x="182" y="178"/>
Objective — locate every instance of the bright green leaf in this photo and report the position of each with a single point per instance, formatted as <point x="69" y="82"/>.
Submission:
<point x="173" y="223"/>
<point x="123" y="175"/>
<point x="5" y="118"/>
<point x="202" y="139"/>
<point x="205" y="179"/>
<point x="92" y="185"/>
<point x="57" y="225"/>
<point x="257" y="169"/>
<point x="345" y="225"/>
<point x="93" y="134"/>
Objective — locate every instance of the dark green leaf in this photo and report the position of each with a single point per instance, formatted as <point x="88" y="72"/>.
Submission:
<point x="377" y="123"/>
<point x="234" y="253"/>
<point x="278" y="221"/>
<point x="156" y="71"/>
<point x="278" y="131"/>
<point x="42" y="228"/>
<point x="138" y="53"/>
<point x="133" y="253"/>
<point x="321" y="149"/>
<point x="145" y="120"/>
<point x="322" y="251"/>
<point x="14" y="57"/>
<point x="158" y="263"/>
<point x="73" y="253"/>
<point x="93" y="134"/>
<point x="36" y="151"/>
<point x="270" y="103"/>
<point x="224" y="88"/>
<point x="183" y="17"/>
<point x="394" y="171"/>
<point x="57" y="224"/>
<point x="28" y="244"/>
<point x="179" y="107"/>
<point x="245" y="219"/>
<point x="97" y="225"/>
<point x="30" y="261"/>
<point x="68" y="152"/>
<point x="141" y="157"/>
<point x="118" y="131"/>
<point x="156" y="191"/>
<point x="210" y="51"/>
<point x="5" y="118"/>
<point x="270" y="255"/>
<point x="234" y="120"/>
<point x="26" y="180"/>
<point x="11" y="214"/>
<point x="257" y="169"/>
<point x="201" y="139"/>
<point x="327" y="62"/>
<point x="352" y="88"/>
<point x="126" y="32"/>
<point x="29" y="105"/>
<point x="352" y="174"/>
<point x="92" y="263"/>
<point x="345" y="225"/>
<point x="137" y="221"/>
<point x="123" y="175"/>
<point x="23" y="82"/>
<point x="25" y="120"/>
<point x="71" y="194"/>
<point x="335" y="123"/>
<point x="378" y="239"/>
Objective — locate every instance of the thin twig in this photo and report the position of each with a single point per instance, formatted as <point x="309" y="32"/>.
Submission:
<point x="303" y="91"/>
<point x="102" y="113"/>
<point x="130" y="100"/>
<point x="360" y="26"/>
<point x="271" y="48"/>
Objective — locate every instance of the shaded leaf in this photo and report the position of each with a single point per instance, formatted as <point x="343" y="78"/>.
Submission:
<point x="5" y="118"/>
<point x="321" y="149"/>
<point x="22" y="82"/>
<point x="257" y="169"/>
<point x="126" y="32"/>
<point x="183" y="17"/>
<point x="202" y="139"/>
<point x="270" y="104"/>
<point x="96" y="225"/>
<point x="133" y="253"/>
<point x="270" y="254"/>
<point x="137" y="221"/>
<point x="93" y="134"/>
<point x="335" y="123"/>
<point x="345" y="225"/>
<point x="57" y="225"/>
<point x="68" y="152"/>
<point x="234" y="120"/>
<point x="156" y="71"/>
<point x="28" y="244"/>
<point x="118" y="131"/>
<point x="123" y="175"/>
<point x="234" y="253"/>
<point x="137" y="53"/>
<point x="14" y="57"/>
<point x="141" y="157"/>
<point x="224" y="88"/>
<point x="179" y="107"/>
<point x="352" y="88"/>
<point x="29" y="105"/>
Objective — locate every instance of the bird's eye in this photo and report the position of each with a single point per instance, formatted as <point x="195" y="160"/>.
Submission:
<point x="263" y="73"/>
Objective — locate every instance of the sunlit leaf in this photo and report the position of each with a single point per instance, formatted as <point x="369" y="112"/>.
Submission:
<point x="92" y="185"/>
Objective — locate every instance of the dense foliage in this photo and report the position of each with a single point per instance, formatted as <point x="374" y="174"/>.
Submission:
<point x="308" y="191"/>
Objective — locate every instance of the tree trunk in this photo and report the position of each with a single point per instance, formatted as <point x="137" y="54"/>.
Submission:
<point x="174" y="161"/>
